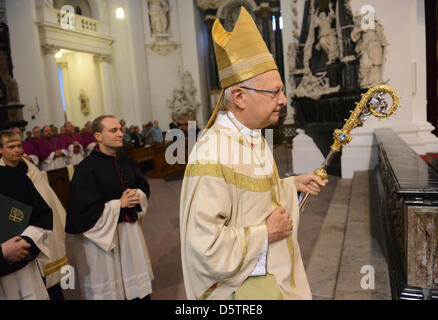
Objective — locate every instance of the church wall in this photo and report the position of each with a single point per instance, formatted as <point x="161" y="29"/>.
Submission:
<point x="27" y="59"/>
<point x="164" y="68"/>
<point x="82" y="73"/>
<point x="140" y="65"/>
<point x="128" y="103"/>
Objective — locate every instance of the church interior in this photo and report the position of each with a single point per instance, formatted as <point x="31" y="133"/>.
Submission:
<point x="371" y="234"/>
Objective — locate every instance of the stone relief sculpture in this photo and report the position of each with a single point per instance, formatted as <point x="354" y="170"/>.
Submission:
<point x="370" y="49"/>
<point x="314" y="86"/>
<point x="292" y="61"/>
<point x="158" y="13"/>
<point x="183" y="101"/>
<point x="327" y="34"/>
<point x="208" y="4"/>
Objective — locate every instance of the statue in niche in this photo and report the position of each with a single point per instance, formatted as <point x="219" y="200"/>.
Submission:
<point x="158" y="13"/>
<point x="328" y="41"/>
<point x="370" y="49"/>
<point x="85" y="105"/>
<point x="314" y="87"/>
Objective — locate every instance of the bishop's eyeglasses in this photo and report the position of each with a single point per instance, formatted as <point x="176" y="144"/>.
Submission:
<point x="275" y="93"/>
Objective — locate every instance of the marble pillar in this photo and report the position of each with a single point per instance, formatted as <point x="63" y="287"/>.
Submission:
<point x="106" y="78"/>
<point x="53" y="84"/>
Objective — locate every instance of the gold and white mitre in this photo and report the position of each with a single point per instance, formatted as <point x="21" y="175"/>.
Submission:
<point x="241" y="54"/>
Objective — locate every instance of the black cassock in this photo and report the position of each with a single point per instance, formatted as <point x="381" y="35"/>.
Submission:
<point x="16" y="185"/>
<point x="98" y="179"/>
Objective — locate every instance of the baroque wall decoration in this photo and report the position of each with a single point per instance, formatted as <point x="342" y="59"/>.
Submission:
<point x="183" y="101"/>
<point x="159" y="20"/>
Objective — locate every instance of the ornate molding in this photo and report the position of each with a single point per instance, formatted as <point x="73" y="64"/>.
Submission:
<point x="103" y="58"/>
<point x="62" y="65"/>
<point x="183" y="101"/>
<point x="49" y="49"/>
<point x="207" y="4"/>
<point x="163" y="46"/>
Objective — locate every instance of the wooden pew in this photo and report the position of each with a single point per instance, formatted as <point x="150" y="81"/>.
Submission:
<point x="141" y="155"/>
<point x="58" y="180"/>
<point x="161" y="168"/>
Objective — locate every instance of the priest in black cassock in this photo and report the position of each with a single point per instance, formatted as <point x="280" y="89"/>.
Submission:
<point x="20" y="278"/>
<point x="108" y="199"/>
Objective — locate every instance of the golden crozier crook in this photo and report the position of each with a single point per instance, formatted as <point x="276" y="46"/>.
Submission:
<point x="368" y="105"/>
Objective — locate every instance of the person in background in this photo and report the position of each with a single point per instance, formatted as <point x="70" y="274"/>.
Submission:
<point x="157" y="133"/>
<point x="72" y="141"/>
<point x="174" y="124"/>
<point x="53" y="152"/>
<point x="148" y="137"/>
<point x="126" y="136"/>
<point x="54" y="130"/>
<point x="87" y="139"/>
<point x="36" y="134"/>
<point x="30" y="152"/>
<point x="123" y="124"/>
<point x="28" y="136"/>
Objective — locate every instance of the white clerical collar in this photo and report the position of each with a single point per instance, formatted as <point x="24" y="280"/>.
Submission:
<point x="223" y="120"/>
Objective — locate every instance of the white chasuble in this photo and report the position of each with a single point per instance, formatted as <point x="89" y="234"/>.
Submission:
<point x="228" y="192"/>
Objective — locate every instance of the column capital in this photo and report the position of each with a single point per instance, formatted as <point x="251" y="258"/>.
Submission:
<point x="49" y="49"/>
<point x="103" y="58"/>
<point x="265" y="9"/>
<point x="62" y="65"/>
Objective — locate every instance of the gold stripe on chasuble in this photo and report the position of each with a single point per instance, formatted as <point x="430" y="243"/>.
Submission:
<point x="230" y="176"/>
<point x="290" y="245"/>
<point x="209" y="291"/>
<point x="55" y="266"/>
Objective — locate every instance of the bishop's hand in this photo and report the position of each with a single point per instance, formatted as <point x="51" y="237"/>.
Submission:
<point x="279" y="225"/>
<point x="309" y="183"/>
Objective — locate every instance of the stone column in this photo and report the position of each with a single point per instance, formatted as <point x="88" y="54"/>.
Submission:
<point x="54" y="88"/>
<point x="264" y="17"/>
<point x="106" y="78"/>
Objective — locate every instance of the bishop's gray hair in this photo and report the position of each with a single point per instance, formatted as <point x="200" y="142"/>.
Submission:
<point x="228" y="99"/>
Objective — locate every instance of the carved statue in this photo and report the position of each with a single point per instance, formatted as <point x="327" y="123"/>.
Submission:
<point x="327" y="35"/>
<point x="158" y="13"/>
<point x="183" y="101"/>
<point x="314" y="86"/>
<point x="370" y="49"/>
<point x="85" y="105"/>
